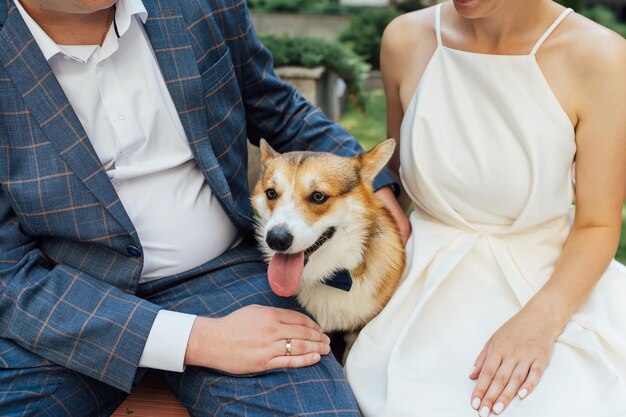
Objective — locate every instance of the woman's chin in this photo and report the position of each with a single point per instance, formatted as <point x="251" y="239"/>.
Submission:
<point x="469" y="9"/>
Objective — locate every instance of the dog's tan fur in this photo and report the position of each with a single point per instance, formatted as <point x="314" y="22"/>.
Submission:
<point x="366" y="242"/>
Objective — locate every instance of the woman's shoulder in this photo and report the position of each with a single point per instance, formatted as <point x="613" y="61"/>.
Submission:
<point x="594" y="47"/>
<point x="407" y="45"/>
<point x="590" y="61"/>
<point x="410" y="30"/>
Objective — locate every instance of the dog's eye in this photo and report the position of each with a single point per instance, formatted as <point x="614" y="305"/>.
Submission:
<point x="271" y="194"/>
<point x="318" y="198"/>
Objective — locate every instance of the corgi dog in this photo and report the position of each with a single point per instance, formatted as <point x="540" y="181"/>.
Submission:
<point x="316" y="215"/>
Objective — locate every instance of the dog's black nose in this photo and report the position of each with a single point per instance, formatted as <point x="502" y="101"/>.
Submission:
<point x="279" y="238"/>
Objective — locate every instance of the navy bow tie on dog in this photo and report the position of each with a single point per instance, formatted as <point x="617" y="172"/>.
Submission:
<point x="341" y="280"/>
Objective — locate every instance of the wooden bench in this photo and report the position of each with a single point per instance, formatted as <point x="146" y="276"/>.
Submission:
<point x="151" y="398"/>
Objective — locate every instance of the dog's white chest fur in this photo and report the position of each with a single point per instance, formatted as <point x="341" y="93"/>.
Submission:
<point x="348" y="308"/>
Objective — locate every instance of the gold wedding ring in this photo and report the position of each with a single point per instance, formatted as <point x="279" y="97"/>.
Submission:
<point x="288" y="347"/>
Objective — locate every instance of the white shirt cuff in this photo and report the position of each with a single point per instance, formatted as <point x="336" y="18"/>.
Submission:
<point x="167" y="342"/>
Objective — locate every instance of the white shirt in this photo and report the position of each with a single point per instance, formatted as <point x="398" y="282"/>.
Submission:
<point x="122" y="102"/>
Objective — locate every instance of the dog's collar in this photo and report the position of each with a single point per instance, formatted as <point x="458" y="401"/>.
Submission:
<point x="341" y="280"/>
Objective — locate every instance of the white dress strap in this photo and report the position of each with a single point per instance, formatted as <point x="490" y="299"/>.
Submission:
<point x="438" y="24"/>
<point x="547" y="33"/>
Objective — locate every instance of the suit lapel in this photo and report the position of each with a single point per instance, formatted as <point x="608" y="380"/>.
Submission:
<point x="48" y="105"/>
<point x="172" y="46"/>
<point x="46" y="101"/>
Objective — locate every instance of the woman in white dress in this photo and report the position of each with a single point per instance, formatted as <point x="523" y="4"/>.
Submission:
<point x="510" y="304"/>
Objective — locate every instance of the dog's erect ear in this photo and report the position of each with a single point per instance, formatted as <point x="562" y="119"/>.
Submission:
<point x="267" y="152"/>
<point x="376" y="159"/>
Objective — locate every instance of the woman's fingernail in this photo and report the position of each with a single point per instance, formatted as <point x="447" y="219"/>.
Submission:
<point x="473" y="369"/>
<point x="522" y="393"/>
<point x="476" y="403"/>
<point x="498" y="408"/>
<point x="484" y="412"/>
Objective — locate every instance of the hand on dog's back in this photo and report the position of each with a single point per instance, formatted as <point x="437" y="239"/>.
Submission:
<point x="252" y="339"/>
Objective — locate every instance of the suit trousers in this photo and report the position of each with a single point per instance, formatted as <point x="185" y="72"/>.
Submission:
<point x="223" y="285"/>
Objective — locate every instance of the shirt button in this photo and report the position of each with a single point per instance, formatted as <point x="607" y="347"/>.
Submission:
<point x="122" y="116"/>
<point x="133" y="251"/>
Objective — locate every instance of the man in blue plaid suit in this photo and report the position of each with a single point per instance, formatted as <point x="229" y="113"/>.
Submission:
<point x="77" y="311"/>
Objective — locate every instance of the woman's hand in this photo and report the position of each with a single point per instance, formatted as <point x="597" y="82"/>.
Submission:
<point x="513" y="360"/>
<point x="255" y="339"/>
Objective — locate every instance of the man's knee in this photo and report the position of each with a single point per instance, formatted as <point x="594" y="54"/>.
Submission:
<point x="55" y="391"/>
<point x="321" y="390"/>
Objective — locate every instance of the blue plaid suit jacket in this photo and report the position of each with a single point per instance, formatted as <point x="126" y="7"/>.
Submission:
<point x="70" y="258"/>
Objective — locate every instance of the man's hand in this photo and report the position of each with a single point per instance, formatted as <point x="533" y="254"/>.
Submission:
<point x="253" y="339"/>
<point x="387" y="197"/>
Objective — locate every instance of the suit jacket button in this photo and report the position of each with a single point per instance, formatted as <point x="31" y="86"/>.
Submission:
<point x="133" y="251"/>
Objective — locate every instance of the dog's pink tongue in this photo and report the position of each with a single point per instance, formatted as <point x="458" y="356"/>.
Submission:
<point x="284" y="273"/>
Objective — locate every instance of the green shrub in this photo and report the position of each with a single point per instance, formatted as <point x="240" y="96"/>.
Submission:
<point x="605" y="17"/>
<point x="406" y="6"/>
<point x="280" y="5"/>
<point x="621" y="250"/>
<point x="577" y="5"/>
<point x="365" y="31"/>
<point x="313" y="52"/>
<point x="301" y="6"/>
